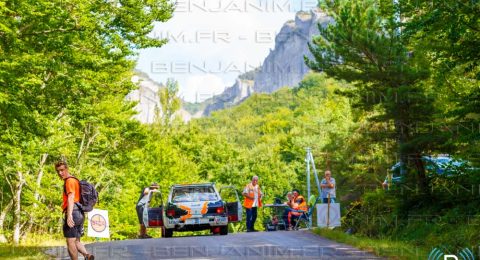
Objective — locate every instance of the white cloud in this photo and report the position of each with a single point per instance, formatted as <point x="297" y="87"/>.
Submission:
<point x="200" y="87"/>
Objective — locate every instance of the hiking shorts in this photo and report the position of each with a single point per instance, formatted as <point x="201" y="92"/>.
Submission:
<point x="77" y="230"/>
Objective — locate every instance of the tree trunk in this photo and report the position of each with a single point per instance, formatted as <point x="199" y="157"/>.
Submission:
<point x="17" y="208"/>
<point x="89" y="136"/>
<point x="410" y="155"/>
<point x="36" y="195"/>
<point x="402" y="133"/>
<point x="3" y="215"/>
<point x="39" y="178"/>
<point x="421" y="174"/>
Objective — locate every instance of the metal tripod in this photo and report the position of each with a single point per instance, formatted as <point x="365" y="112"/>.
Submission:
<point x="309" y="160"/>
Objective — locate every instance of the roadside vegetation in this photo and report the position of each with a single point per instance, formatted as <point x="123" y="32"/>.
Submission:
<point x="405" y="88"/>
<point x="22" y="252"/>
<point x="380" y="247"/>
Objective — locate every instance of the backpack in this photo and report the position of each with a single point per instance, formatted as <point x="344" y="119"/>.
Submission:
<point x="88" y="195"/>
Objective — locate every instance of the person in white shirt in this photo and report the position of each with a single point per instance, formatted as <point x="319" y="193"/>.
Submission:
<point x="328" y="186"/>
<point x="253" y="200"/>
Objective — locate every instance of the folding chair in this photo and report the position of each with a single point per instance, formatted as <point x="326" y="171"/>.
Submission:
<point x="306" y="215"/>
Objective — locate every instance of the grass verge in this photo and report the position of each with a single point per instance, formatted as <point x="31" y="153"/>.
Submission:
<point x="22" y="252"/>
<point x="34" y="247"/>
<point x="380" y="247"/>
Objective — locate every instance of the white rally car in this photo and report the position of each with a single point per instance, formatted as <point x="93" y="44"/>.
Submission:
<point x="193" y="207"/>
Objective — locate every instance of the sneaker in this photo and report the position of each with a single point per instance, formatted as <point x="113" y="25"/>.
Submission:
<point x="145" y="236"/>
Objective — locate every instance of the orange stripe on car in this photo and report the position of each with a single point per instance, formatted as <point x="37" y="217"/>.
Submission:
<point x="189" y="211"/>
<point x="204" y="208"/>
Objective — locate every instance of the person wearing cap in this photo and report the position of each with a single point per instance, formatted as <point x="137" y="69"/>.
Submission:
<point x="142" y="201"/>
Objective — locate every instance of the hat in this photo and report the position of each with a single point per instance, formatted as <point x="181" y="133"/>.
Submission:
<point x="154" y="186"/>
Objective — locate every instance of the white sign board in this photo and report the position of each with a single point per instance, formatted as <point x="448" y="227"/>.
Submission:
<point x="98" y="225"/>
<point x="328" y="217"/>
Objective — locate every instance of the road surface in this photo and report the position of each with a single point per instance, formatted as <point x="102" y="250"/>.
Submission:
<point x="258" y="245"/>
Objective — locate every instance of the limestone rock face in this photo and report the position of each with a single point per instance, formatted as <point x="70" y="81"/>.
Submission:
<point x="231" y="96"/>
<point x="148" y="100"/>
<point x="146" y="96"/>
<point x="285" y="65"/>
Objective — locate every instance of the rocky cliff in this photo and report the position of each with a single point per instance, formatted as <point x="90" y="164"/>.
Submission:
<point x="284" y="65"/>
<point x="231" y="96"/>
<point x="146" y="96"/>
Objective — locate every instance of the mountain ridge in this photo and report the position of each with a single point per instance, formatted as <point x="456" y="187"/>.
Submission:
<point x="284" y="65"/>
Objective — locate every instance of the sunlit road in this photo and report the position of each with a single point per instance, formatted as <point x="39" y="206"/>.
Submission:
<point x="258" y="245"/>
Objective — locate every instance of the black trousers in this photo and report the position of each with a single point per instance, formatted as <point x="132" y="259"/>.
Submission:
<point x="251" y="217"/>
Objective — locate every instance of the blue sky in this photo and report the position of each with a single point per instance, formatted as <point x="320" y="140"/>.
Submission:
<point x="211" y="42"/>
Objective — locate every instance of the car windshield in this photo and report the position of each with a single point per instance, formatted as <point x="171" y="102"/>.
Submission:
<point x="194" y="194"/>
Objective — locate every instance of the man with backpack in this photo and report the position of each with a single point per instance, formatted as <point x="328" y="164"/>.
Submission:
<point x="73" y="214"/>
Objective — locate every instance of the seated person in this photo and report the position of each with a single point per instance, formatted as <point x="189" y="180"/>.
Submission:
<point x="291" y="206"/>
<point x="274" y="220"/>
<point x="300" y="207"/>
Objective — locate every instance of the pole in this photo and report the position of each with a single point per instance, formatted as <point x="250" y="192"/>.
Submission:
<point x="317" y="181"/>
<point x="328" y="211"/>
<point x="307" y="158"/>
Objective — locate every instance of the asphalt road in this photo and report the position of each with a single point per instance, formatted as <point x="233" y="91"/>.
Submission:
<point x="258" y="245"/>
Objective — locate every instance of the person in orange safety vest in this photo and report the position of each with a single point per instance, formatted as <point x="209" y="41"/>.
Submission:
<point x="253" y="200"/>
<point x="300" y="206"/>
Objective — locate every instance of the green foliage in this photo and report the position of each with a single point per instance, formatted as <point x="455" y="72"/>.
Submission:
<point x="65" y="68"/>
<point x="448" y="223"/>
<point x="22" y="252"/>
<point x="170" y="103"/>
<point x="267" y="136"/>
<point x="449" y="33"/>
<point x="365" y="47"/>
<point x="385" y="247"/>
<point x="414" y="70"/>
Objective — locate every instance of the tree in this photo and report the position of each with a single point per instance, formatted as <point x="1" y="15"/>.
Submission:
<point x="169" y="104"/>
<point x="364" y="46"/>
<point x="450" y="33"/>
<point x="63" y="64"/>
<point x="451" y="29"/>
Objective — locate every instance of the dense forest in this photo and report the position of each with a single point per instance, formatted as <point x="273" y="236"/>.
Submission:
<point x="390" y="82"/>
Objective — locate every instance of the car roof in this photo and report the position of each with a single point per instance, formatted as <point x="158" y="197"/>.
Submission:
<point x="193" y="185"/>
